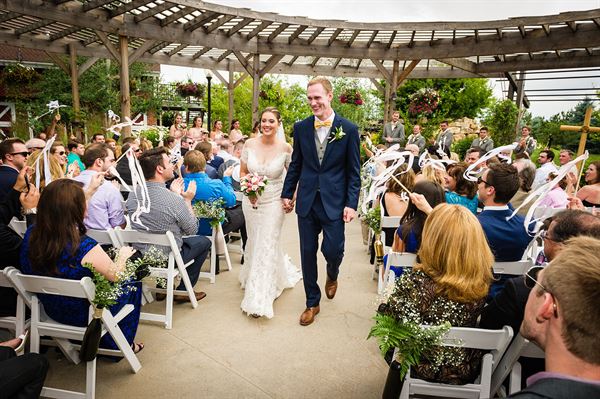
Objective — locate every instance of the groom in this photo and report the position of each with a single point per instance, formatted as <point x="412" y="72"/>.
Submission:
<point x="325" y="168"/>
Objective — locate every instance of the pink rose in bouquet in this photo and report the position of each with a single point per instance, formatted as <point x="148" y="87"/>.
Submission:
<point x="252" y="185"/>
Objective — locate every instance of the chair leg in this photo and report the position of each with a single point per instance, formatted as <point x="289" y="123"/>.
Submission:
<point x="169" y="300"/>
<point x="117" y="335"/>
<point x="188" y="286"/>
<point x="90" y="379"/>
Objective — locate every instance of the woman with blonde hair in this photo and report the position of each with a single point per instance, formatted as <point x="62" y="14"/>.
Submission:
<point x="56" y="170"/>
<point x="432" y="173"/>
<point x="393" y="202"/>
<point x="449" y="283"/>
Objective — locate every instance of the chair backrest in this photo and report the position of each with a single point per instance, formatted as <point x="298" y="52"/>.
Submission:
<point x="18" y="226"/>
<point x="167" y="239"/>
<point x="495" y="341"/>
<point x="4" y="281"/>
<point x="403" y="259"/>
<point x="516" y="268"/>
<point x="103" y="237"/>
<point x="390" y="221"/>
<point x="26" y="285"/>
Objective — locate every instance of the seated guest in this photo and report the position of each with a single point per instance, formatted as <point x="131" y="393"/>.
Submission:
<point x="122" y="166"/>
<point x="408" y="235"/>
<point x="225" y="151"/>
<point x="57" y="246"/>
<point x="563" y="318"/>
<point x="590" y="193"/>
<point x="171" y="210"/>
<point x="13" y="154"/>
<point x="35" y="145"/>
<point x="20" y="201"/>
<point x="207" y="189"/>
<point x="21" y="377"/>
<point x="447" y="284"/>
<point x="216" y="160"/>
<point x="105" y="208"/>
<point x="472" y="156"/>
<point x="59" y="152"/>
<point x="76" y="150"/>
<point x="507" y="236"/>
<point x="38" y="168"/>
<point x="460" y="191"/>
<point x="206" y="149"/>
<point x="432" y="173"/>
<point x="557" y="197"/>
<point x="546" y="161"/>
<point x="235" y="162"/>
<point x="393" y="203"/>
<point x="508" y="306"/>
<point x="98" y="138"/>
<point x="526" y="170"/>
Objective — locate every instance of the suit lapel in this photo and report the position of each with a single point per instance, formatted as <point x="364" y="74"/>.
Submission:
<point x="337" y="122"/>
<point x="310" y="139"/>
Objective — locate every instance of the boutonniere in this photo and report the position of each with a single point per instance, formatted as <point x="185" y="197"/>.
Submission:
<point x="337" y="134"/>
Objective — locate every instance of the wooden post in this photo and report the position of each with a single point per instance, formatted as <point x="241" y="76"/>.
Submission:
<point x="386" y="101"/>
<point x="520" y="96"/>
<point x="125" y="96"/>
<point x="585" y="129"/>
<point x="394" y="84"/>
<point x="255" y="87"/>
<point x="230" y="94"/>
<point x="74" y="80"/>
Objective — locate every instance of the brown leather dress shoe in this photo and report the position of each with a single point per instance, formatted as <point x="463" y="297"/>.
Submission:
<point x="186" y="298"/>
<point x="308" y="316"/>
<point x="330" y="288"/>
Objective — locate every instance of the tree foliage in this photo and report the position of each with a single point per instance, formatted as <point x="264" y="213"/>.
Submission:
<point x="501" y="119"/>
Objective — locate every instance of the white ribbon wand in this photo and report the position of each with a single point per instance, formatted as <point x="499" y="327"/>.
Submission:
<point x="45" y="154"/>
<point x="471" y="175"/>
<point x="52" y="106"/>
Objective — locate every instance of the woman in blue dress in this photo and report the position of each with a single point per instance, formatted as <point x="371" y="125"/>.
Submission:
<point x="57" y="246"/>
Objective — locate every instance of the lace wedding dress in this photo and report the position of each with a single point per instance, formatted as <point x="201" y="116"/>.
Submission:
<point x="266" y="271"/>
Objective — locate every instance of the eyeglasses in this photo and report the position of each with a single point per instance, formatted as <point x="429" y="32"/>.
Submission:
<point x="480" y="180"/>
<point x="531" y="279"/>
<point x="22" y="153"/>
<point x="545" y="236"/>
<point x="138" y="150"/>
<point x="61" y="153"/>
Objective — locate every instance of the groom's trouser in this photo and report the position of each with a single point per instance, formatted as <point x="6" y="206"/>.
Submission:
<point x="332" y="248"/>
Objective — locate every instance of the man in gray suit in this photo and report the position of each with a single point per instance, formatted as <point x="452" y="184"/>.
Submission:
<point x="526" y="142"/>
<point x="393" y="132"/>
<point x="417" y="138"/>
<point x="444" y="138"/>
<point x="484" y="142"/>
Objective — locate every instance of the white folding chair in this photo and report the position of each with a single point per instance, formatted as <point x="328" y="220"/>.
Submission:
<point x="217" y="234"/>
<point x="176" y="266"/>
<point x="42" y="325"/>
<point x="543" y="212"/>
<point x="104" y="237"/>
<point x="509" y="366"/>
<point x="386" y="222"/>
<point x="516" y="268"/>
<point x="15" y="323"/>
<point x="18" y="226"/>
<point x="401" y="259"/>
<point x="495" y="341"/>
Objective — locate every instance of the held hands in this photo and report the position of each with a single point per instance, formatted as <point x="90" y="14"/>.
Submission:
<point x="287" y="204"/>
<point x="349" y="214"/>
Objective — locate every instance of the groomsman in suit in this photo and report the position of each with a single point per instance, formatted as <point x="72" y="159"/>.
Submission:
<point x="526" y="143"/>
<point x="393" y="132"/>
<point x="444" y="138"/>
<point x="417" y="138"/>
<point x="325" y="170"/>
<point x="484" y="141"/>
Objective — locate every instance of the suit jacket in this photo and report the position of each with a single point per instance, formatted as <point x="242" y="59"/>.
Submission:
<point x="486" y="144"/>
<point x="444" y="140"/>
<point x="8" y="178"/>
<point x="397" y="134"/>
<point x="549" y="386"/>
<point x="529" y="146"/>
<point x="508" y="239"/>
<point x="418" y="141"/>
<point x="337" y="178"/>
<point x="508" y="307"/>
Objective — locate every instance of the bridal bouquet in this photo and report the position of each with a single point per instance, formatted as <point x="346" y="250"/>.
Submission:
<point x="252" y="185"/>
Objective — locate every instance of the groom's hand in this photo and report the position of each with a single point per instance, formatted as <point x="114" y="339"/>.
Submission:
<point x="287" y="204"/>
<point x="349" y="214"/>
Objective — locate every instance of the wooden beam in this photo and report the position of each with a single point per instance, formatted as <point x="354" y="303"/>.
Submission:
<point x="243" y="23"/>
<point x="176" y="50"/>
<point x="271" y="62"/>
<point x="406" y="72"/>
<point x="138" y="52"/>
<point x="572" y="25"/>
<point x="182" y="12"/>
<point x="276" y="32"/>
<point x="389" y="45"/>
<point x="315" y="34"/>
<point x="372" y="38"/>
<point x="153" y="11"/>
<point x="230" y="90"/>
<point x="431" y="38"/>
<point x="240" y="79"/>
<point x="224" y="55"/>
<point x="8" y="16"/>
<point x="219" y="22"/>
<point x="243" y="61"/>
<point x="74" y="73"/>
<point x="378" y="86"/>
<point x="109" y="46"/>
<point x="499" y="32"/>
<point x="124" y="79"/>
<point x="200" y="52"/>
<point x="126" y="7"/>
<point x="334" y="36"/>
<point x="92" y="4"/>
<point x="384" y="72"/>
<point x="546" y="29"/>
<point x="58" y="62"/>
<point x="297" y="33"/>
<point x="337" y="62"/>
<point x="255" y="87"/>
<point x="292" y="60"/>
<point x="543" y="61"/>
<point x="315" y="61"/>
<point x="353" y="38"/>
<point x="158" y="47"/>
<point x="199" y="21"/>
<point x="263" y="25"/>
<point x="460" y="63"/>
<point x="63" y="33"/>
<point x="411" y="43"/>
<point x="32" y="27"/>
<point x="220" y="77"/>
<point x="86" y="65"/>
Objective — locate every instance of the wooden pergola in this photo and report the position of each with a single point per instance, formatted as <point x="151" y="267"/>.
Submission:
<point x="221" y="38"/>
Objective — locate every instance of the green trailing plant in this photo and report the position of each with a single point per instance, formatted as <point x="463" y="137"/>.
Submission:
<point x="108" y="292"/>
<point x="411" y="340"/>
<point x="214" y="211"/>
<point x="373" y="219"/>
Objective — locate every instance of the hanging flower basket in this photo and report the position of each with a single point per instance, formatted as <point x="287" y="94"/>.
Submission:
<point x="424" y="102"/>
<point x="18" y="74"/>
<point x="190" y="89"/>
<point x="352" y="97"/>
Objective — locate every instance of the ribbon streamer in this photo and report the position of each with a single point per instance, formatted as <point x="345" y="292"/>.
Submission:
<point x="45" y="155"/>
<point x="52" y="106"/>
<point x="140" y="189"/>
<point x="471" y="175"/>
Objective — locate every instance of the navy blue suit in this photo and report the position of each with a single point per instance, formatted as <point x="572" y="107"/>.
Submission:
<point x="324" y="190"/>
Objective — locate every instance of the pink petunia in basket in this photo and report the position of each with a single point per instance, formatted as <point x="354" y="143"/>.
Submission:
<point x="252" y="185"/>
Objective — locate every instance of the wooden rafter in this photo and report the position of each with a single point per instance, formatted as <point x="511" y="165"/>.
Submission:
<point x="219" y="22"/>
<point x="63" y="33"/>
<point x="93" y="4"/>
<point x="297" y="33"/>
<point x="224" y="55"/>
<point x="176" y="50"/>
<point x="182" y="12"/>
<point x="140" y="51"/>
<point x="276" y="32"/>
<point x="153" y="11"/>
<point x="32" y="27"/>
<point x="200" y="52"/>
<point x="262" y="26"/>
<point x="352" y="38"/>
<point x="334" y="36"/>
<point x="236" y="28"/>
<point x="199" y="21"/>
<point x="315" y="34"/>
<point x="126" y="7"/>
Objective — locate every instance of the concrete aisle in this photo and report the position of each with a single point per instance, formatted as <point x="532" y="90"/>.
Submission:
<point x="215" y="351"/>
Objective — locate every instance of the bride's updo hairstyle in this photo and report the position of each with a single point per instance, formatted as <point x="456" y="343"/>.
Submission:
<point x="274" y="111"/>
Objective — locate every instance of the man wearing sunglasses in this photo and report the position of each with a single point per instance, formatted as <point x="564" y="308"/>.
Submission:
<point x="13" y="153"/>
<point x="562" y="316"/>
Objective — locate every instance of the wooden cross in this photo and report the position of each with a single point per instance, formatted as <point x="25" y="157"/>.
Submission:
<point x="585" y="129"/>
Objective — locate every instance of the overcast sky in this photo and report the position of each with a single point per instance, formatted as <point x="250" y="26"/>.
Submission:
<point x="426" y="10"/>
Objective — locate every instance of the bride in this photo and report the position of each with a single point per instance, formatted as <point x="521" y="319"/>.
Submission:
<point x="266" y="271"/>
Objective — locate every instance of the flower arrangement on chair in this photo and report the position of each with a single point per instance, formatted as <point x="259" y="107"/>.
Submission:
<point x="351" y="96"/>
<point x="189" y="89"/>
<point x="424" y="102"/>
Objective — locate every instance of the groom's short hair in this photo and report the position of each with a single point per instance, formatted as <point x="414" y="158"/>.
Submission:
<point x="194" y="161"/>
<point x="323" y="81"/>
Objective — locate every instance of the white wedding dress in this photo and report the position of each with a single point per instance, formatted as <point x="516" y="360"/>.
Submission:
<point x="266" y="271"/>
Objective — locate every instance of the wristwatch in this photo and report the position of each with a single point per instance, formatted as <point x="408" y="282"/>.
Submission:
<point x="32" y="211"/>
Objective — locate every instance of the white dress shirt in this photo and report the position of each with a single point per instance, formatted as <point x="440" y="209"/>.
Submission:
<point x="323" y="132"/>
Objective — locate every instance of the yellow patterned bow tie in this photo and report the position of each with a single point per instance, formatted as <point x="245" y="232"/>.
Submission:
<point x="319" y="124"/>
